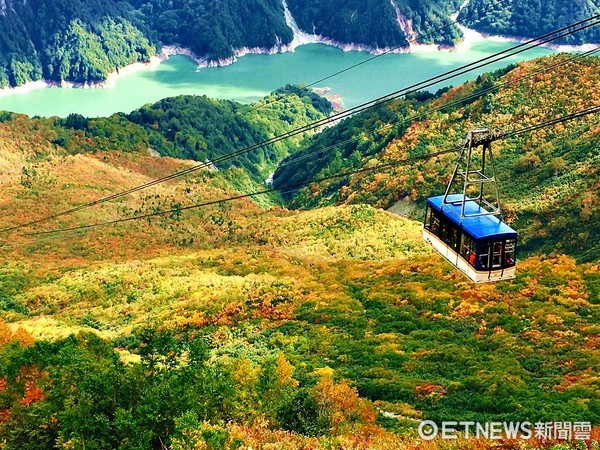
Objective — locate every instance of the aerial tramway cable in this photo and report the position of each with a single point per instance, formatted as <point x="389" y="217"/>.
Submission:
<point x="543" y="39"/>
<point x="295" y="186"/>
<point x="473" y="96"/>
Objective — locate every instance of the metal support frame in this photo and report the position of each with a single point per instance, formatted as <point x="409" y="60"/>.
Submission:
<point x="465" y="173"/>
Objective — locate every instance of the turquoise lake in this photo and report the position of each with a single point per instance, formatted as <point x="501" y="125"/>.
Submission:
<point x="254" y="76"/>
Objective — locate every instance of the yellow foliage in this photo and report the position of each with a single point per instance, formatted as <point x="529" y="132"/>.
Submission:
<point x="324" y="372"/>
<point x="245" y="372"/>
<point x="284" y="372"/>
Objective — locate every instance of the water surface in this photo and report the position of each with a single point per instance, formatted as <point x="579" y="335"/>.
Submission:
<point x="254" y="76"/>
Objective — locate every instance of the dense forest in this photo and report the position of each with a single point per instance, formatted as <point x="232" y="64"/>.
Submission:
<point x="375" y="23"/>
<point x="201" y="129"/>
<point x="530" y="18"/>
<point x="81" y="41"/>
<point x="85" y="41"/>
<point x="367" y="22"/>
<point x="68" y="40"/>
<point x="214" y="29"/>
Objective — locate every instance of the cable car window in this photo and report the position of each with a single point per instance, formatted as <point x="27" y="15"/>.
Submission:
<point x="497" y="255"/>
<point x="467" y="249"/>
<point x="447" y="232"/>
<point x="454" y="238"/>
<point x="464" y="246"/>
<point x="509" y="252"/>
<point x="484" y="256"/>
<point x="443" y="229"/>
<point x="443" y="233"/>
<point x="435" y="225"/>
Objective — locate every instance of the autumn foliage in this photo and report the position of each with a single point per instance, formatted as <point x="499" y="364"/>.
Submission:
<point x="248" y="325"/>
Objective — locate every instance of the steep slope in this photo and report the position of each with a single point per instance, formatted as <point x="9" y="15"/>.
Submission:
<point x="549" y="178"/>
<point x="378" y="23"/>
<point x="530" y="18"/>
<point x="83" y="42"/>
<point x="214" y="29"/>
<point x="79" y="41"/>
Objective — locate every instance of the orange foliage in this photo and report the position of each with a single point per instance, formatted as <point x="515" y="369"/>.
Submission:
<point x="33" y="393"/>
<point x="21" y="336"/>
<point x="179" y="321"/>
<point x="5" y="333"/>
<point x="31" y="378"/>
<point x="430" y="390"/>
<point x="342" y="403"/>
<point x="229" y="313"/>
<point x="593" y="341"/>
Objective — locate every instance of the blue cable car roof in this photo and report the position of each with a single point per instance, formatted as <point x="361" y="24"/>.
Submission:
<point x="480" y="227"/>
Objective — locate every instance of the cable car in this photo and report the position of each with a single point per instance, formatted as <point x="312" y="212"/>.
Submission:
<point x="465" y="227"/>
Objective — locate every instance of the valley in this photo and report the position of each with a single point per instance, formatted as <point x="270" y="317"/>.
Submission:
<point x="212" y="220"/>
<point x="312" y="319"/>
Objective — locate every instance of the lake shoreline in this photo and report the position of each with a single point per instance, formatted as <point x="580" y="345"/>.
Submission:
<point x="470" y="37"/>
<point x="110" y="81"/>
<point x="255" y="77"/>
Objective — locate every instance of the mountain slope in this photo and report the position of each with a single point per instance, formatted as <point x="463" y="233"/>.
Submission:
<point x="216" y="29"/>
<point x="549" y="178"/>
<point x="261" y="325"/>
<point x="247" y="324"/>
<point x="378" y="23"/>
<point x="530" y="18"/>
<point x="68" y="40"/>
<point x="202" y="129"/>
<point x="83" y="42"/>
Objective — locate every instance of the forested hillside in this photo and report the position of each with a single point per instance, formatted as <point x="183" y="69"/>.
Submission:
<point x="85" y="41"/>
<point x="530" y="18"/>
<point x="79" y="41"/>
<point x="215" y="29"/>
<point x="236" y="326"/>
<point x="201" y="129"/>
<point x="549" y="178"/>
<point x="376" y="23"/>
